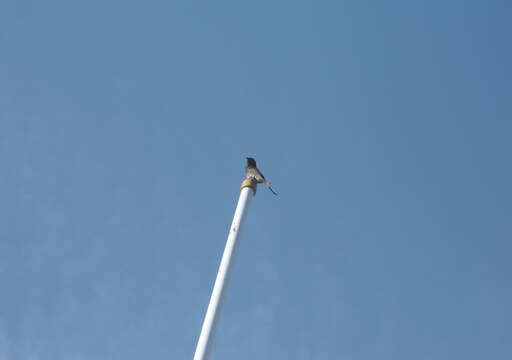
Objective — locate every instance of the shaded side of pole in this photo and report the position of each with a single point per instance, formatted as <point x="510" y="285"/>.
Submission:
<point x="212" y="317"/>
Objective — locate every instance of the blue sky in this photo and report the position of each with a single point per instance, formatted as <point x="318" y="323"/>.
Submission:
<point x="384" y="127"/>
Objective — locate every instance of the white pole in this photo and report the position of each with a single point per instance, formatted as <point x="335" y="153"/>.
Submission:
<point x="212" y="317"/>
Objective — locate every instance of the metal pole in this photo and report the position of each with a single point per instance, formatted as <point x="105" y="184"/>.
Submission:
<point x="212" y="317"/>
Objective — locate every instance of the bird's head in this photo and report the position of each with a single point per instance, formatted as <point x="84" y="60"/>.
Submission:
<point x="251" y="162"/>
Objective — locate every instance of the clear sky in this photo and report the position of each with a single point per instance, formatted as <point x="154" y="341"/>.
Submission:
<point x="385" y="128"/>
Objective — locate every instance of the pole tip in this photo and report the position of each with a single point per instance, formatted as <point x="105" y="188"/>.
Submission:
<point x="250" y="183"/>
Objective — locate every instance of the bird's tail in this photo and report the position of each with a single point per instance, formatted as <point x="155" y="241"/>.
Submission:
<point x="267" y="183"/>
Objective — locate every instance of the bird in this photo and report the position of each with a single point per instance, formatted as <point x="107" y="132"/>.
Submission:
<point x="251" y="171"/>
